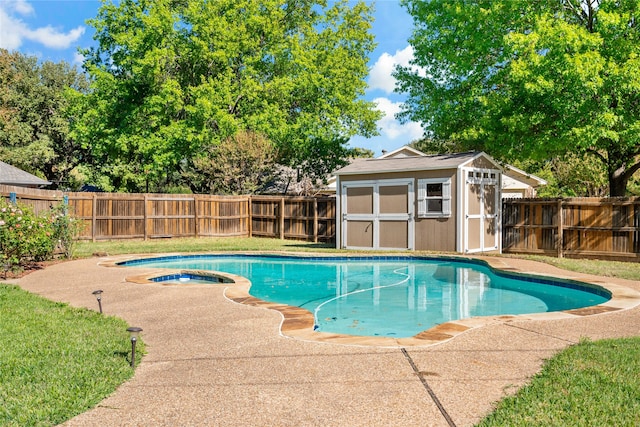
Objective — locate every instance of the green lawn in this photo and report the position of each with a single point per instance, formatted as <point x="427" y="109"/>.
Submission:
<point x="86" y="249"/>
<point x="57" y="361"/>
<point x="588" y="384"/>
<point x="625" y="270"/>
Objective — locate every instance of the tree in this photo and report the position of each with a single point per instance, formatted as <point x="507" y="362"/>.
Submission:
<point x="531" y="79"/>
<point x="35" y="102"/>
<point x="241" y="164"/>
<point x="567" y="175"/>
<point x="172" y="78"/>
<point x="430" y="145"/>
<point x="361" y="153"/>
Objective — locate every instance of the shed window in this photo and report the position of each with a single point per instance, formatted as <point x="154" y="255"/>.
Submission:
<point x="434" y="198"/>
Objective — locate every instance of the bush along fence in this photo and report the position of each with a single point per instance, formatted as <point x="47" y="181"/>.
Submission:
<point x="110" y="216"/>
<point x="605" y="228"/>
<point x="31" y="234"/>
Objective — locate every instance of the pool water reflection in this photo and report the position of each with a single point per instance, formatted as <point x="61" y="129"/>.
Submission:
<point x="391" y="296"/>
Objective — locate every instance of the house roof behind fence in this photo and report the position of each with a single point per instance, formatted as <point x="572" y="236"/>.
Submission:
<point x="11" y="175"/>
<point x="410" y="163"/>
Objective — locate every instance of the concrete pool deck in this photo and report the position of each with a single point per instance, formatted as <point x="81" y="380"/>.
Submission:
<point x="211" y="361"/>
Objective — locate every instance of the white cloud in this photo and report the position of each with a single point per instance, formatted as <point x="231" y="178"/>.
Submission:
<point x="13" y="30"/>
<point x="78" y="58"/>
<point x="380" y="74"/>
<point x="390" y="127"/>
<point x="53" y="38"/>
<point x="21" y="6"/>
<point x="9" y="31"/>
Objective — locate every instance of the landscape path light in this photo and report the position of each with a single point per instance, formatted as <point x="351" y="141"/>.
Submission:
<point x="98" y="295"/>
<point x="134" y="331"/>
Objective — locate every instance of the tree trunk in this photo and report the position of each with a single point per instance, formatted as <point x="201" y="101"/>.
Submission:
<point x="618" y="182"/>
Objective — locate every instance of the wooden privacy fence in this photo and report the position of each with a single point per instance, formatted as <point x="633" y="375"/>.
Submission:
<point x="294" y="217"/>
<point x="108" y="216"/>
<point x="574" y="227"/>
<point x="38" y="200"/>
<point x="147" y="216"/>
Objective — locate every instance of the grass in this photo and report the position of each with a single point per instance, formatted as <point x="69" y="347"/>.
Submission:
<point x="588" y="384"/>
<point x="623" y="270"/>
<point x="85" y="249"/>
<point x="56" y="361"/>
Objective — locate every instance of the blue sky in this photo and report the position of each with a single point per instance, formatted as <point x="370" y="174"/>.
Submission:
<point x="55" y="29"/>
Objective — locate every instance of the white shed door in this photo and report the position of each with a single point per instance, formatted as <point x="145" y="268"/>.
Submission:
<point x="482" y="211"/>
<point x="378" y="214"/>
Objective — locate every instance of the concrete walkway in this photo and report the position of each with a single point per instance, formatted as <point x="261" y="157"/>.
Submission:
<point x="213" y="362"/>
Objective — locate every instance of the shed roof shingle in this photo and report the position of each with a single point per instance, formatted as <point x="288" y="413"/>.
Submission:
<point x="398" y="164"/>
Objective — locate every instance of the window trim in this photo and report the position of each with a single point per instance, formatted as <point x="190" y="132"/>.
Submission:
<point x="423" y="198"/>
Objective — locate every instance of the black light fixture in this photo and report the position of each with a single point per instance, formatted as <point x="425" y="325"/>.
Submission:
<point x="98" y="295"/>
<point x="134" y="331"/>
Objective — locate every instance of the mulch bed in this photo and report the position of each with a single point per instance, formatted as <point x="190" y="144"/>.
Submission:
<point x="26" y="269"/>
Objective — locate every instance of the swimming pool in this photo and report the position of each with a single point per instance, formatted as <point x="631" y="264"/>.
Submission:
<point x="390" y="296"/>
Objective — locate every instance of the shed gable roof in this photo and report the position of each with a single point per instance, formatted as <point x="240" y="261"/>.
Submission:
<point x="412" y="163"/>
<point x="404" y="151"/>
<point x="11" y="175"/>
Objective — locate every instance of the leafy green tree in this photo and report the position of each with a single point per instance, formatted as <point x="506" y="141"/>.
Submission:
<point x="241" y="164"/>
<point x="173" y="78"/>
<point x="577" y="176"/>
<point x="633" y="188"/>
<point x="34" y="115"/>
<point x="361" y="153"/>
<point x="321" y="156"/>
<point x="534" y="79"/>
<point x="568" y="176"/>
<point x="431" y="145"/>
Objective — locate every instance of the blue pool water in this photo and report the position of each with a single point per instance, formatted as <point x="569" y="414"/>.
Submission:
<point x="390" y="296"/>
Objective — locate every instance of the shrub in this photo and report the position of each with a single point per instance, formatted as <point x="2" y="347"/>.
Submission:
<point x="66" y="229"/>
<point x="23" y="236"/>
<point x="26" y="237"/>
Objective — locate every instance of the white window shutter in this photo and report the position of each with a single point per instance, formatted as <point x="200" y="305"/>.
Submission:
<point x="422" y="197"/>
<point x="446" y="197"/>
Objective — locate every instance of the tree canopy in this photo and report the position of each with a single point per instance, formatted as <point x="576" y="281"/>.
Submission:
<point x="34" y="115"/>
<point x="529" y="79"/>
<point x="172" y="79"/>
<point x="241" y="164"/>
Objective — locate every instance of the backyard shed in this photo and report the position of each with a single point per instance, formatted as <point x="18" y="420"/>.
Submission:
<point x="448" y="202"/>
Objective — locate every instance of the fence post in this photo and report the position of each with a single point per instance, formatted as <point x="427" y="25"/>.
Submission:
<point x="249" y="215"/>
<point x="94" y="209"/>
<point x="560" y="234"/>
<point x="196" y="217"/>
<point x="65" y="202"/>
<point x="315" y="220"/>
<point x="282" y="218"/>
<point x="146" y="217"/>
<point x="110" y="217"/>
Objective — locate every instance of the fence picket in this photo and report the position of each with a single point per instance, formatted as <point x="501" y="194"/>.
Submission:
<point x="574" y="227"/>
<point x="143" y="216"/>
